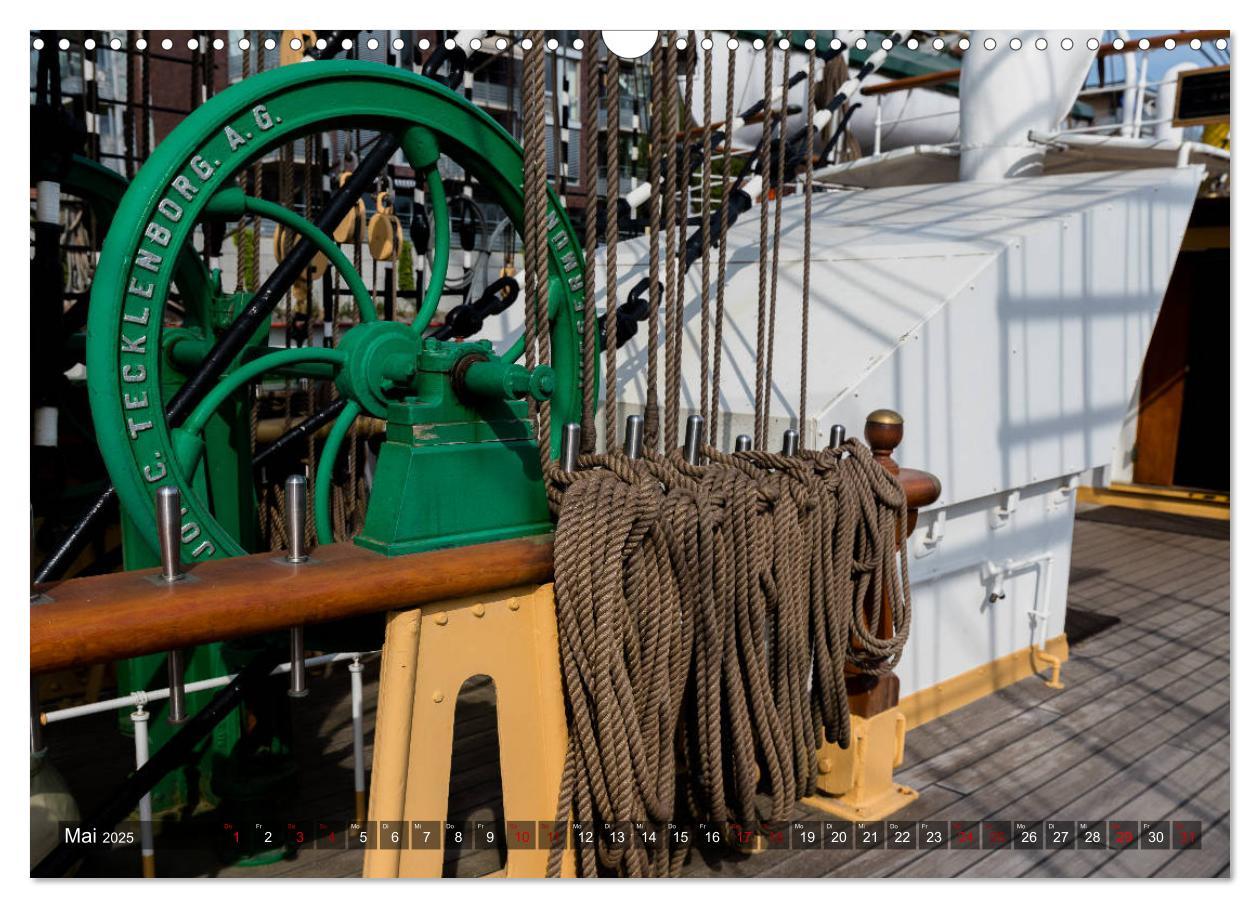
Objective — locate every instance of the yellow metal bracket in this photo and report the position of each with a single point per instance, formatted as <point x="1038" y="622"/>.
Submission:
<point x="857" y="783"/>
<point x="429" y="653"/>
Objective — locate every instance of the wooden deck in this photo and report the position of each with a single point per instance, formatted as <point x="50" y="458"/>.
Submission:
<point x="1141" y="732"/>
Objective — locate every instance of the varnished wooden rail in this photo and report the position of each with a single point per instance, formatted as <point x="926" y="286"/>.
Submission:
<point x="116" y="616"/>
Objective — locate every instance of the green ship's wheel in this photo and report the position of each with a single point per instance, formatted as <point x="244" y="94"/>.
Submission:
<point x="192" y="177"/>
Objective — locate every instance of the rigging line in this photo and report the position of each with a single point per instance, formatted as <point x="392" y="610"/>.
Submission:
<point x="682" y="216"/>
<point x="538" y="323"/>
<point x="706" y="204"/>
<point x="807" y="240"/>
<point x="772" y="322"/>
<point x="673" y="324"/>
<point x="612" y="186"/>
<point x="590" y="170"/>
<point x="723" y="223"/>
<point x="763" y="261"/>
<point x="656" y="144"/>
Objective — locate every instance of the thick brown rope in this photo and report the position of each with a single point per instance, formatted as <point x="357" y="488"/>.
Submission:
<point x="719" y="306"/>
<point x="706" y="205"/>
<point x="705" y="625"/>
<point x="590" y="179"/>
<point x="772" y="323"/>
<point x="612" y="189"/>
<point x="683" y="215"/>
<point x="659" y="142"/>
<point x="807" y="240"/>
<point x="763" y="259"/>
<point x="670" y="215"/>
<point x="537" y="320"/>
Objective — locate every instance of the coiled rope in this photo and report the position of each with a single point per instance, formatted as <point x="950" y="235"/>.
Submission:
<point x="709" y="611"/>
<point x="705" y="626"/>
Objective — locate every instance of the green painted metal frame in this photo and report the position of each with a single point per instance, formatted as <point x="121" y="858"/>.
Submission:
<point x="174" y="189"/>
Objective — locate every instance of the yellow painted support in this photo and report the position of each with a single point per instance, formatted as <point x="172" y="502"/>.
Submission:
<point x="857" y="783"/>
<point x="956" y="692"/>
<point x="1183" y="502"/>
<point x="430" y="652"/>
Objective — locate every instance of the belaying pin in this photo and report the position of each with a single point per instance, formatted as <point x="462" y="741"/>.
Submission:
<point x="691" y="447"/>
<point x="837" y="436"/>
<point x="168" y="521"/>
<point x="791" y="443"/>
<point x="295" y="517"/>
<point x="295" y="522"/>
<point x="634" y="437"/>
<point x="168" y="517"/>
<point x="743" y="443"/>
<point x="570" y="442"/>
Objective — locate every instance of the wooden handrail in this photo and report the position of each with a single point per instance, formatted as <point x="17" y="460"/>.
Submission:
<point x="116" y="616"/>
<point x="1157" y="41"/>
<point x="920" y="81"/>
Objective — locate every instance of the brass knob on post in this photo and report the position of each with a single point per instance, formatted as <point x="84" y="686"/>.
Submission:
<point x="884" y="431"/>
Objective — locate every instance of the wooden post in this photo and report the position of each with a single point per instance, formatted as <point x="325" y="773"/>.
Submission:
<point x="857" y="783"/>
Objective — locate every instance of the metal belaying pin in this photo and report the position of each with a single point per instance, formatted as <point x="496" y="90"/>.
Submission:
<point x="168" y="522"/>
<point x="743" y="443"/>
<point x="691" y="447"/>
<point x="791" y="443"/>
<point x="634" y="437"/>
<point x="295" y="520"/>
<point x="837" y="436"/>
<point x="570" y="443"/>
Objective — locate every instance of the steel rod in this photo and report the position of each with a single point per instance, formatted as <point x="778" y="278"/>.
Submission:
<point x="634" y="437"/>
<point x="691" y="443"/>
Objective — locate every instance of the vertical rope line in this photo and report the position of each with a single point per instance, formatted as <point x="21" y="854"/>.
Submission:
<point x="774" y="263"/>
<point x="530" y="111"/>
<point x="684" y="212"/>
<point x="253" y="236"/>
<point x="590" y="174"/>
<point x="669" y="215"/>
<point x="538" y="326"/>
<point x="656" y="144"/>
<point x="310" y="147"/>
<point x="725" y="209"/>
<point x="129" y="111"/>
<point x="146" y="101"/>
<point x="808" y="239"/>
<point x="706" y="206"/>
<point x="759" y="429"/>
<point x="612" y="187"/>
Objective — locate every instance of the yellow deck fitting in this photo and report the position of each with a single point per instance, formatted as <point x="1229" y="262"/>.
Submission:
<point x="857" y="783"/>
<point x="429" y="653"/>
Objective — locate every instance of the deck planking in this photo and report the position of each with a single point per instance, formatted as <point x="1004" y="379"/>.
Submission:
<point x="1140" y="732"/>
